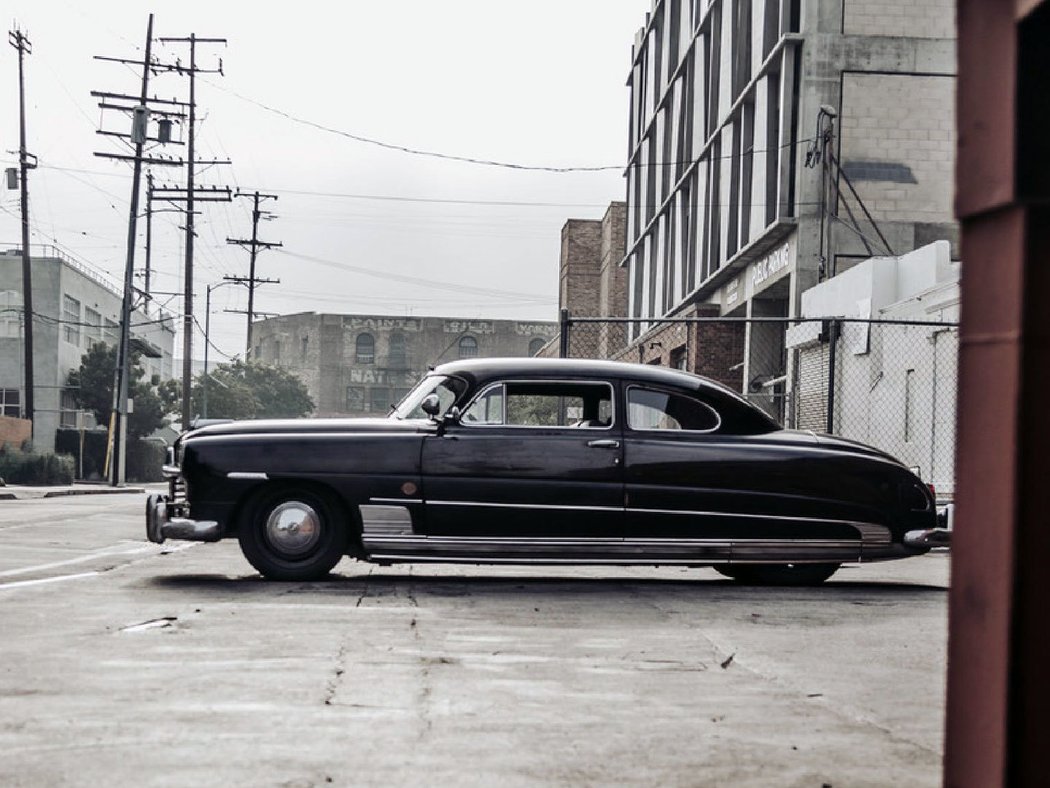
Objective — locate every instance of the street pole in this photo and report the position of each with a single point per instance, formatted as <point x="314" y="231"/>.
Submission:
<point x="123" y="368"/>
<point x="149" y="238"/>
<point x="187" y="309"/>
<point x="22" y="44"/>
<point x="207" y="341"/>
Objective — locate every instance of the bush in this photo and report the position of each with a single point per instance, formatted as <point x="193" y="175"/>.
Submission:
<point x="144" y="461"/>
<point x="21" y="467"/>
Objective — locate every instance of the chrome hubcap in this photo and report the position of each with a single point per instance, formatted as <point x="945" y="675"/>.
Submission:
<point x="293" y="527"/>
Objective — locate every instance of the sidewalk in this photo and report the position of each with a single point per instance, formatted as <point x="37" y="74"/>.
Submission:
<point x="14" y="492"/>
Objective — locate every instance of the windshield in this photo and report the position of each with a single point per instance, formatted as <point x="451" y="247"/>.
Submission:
<point x="448" y="391"/>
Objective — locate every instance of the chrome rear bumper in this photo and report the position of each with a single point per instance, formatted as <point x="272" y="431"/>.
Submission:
<point x="928" y="538"/>
<point x="160" y="525"/>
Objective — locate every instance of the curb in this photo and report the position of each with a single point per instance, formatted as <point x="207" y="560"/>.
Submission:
<point x="102" y="491"/>
<point x="7" y="495"/>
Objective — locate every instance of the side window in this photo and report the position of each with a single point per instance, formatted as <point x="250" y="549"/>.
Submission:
<point x="486" y="409"/>
<point x="651" y="409"/>
<point x="552" y="404"/>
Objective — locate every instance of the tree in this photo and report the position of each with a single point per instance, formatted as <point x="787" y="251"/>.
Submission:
<point x="92" y="387"/>
<point x="240" y="390"/>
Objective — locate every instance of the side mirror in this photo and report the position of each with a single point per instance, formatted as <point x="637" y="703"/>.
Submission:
<point x="431" y="405"/>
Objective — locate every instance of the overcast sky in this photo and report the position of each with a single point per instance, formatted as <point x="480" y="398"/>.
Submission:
<point x="364" y="228"/>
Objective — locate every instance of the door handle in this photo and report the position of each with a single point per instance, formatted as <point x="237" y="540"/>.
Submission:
<point x="605" y="443"/>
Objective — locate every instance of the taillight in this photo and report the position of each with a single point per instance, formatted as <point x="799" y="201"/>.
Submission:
<point x="914" y="496"/>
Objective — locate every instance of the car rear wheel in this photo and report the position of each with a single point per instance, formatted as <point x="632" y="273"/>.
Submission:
<point x="293" y="533"/>
<point x="779" y="574"/>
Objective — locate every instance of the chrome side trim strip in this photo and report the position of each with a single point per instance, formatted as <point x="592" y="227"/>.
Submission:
<point x="554" y="550"/>
<point x="398" y="501"/>
<point x="870" y="533"/>
<point x="247" y="475"/>
<point x="565" y="507"/>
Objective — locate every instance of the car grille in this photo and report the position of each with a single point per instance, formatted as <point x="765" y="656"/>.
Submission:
<point x="177" y="491"/>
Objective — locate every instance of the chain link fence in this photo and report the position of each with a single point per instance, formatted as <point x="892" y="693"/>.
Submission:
<point x="891" y="384"/>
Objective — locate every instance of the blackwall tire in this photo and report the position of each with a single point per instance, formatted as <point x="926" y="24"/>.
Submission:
<point x="293" y="533"/>
<point x="781" y="574"/>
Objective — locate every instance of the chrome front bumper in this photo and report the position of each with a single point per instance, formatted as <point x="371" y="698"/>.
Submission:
<point x="160" y="525"/>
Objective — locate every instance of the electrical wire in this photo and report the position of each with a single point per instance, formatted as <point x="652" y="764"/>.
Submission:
<point x="413" y="279"/>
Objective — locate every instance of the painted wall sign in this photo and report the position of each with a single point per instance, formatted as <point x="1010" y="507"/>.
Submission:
<point x="383" y="323"/>
<point x="773" y="263"/>
<point x="469" y="326"/>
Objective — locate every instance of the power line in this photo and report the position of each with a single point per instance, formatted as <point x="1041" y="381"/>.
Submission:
<point x="416" y="280"/>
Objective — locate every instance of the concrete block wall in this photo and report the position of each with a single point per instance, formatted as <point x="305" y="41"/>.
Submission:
<point x="914" y="18"/>
<point x="901" y="119"/>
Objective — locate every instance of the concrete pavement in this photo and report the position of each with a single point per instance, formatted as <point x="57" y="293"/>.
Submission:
<point x="123" y="663"/>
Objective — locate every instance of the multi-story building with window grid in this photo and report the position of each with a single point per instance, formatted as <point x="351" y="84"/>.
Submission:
<point x="723" y="215"/>
<point x="75" y="307"/>
<point x="359" y="365"/>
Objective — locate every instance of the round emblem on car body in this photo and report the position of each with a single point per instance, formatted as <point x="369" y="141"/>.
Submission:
<point x="409" y="488"/>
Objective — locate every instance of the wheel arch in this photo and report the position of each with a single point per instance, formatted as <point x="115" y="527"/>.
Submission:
<point x="345" y="509"/>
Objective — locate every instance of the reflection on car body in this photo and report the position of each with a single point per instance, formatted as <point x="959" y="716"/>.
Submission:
<point x="547" y="461"/>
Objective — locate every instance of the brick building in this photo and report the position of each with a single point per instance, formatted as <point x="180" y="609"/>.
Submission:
<point x="359" y="365"/>
<point x="723" y="217"/>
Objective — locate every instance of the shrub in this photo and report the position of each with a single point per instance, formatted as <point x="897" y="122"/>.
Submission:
<point x="30" y="467"/>
<point x="144" y="461"/>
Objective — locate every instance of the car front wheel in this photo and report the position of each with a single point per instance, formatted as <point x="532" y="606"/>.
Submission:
<point x="293" y="533"/>
<point x="779" y="574"/>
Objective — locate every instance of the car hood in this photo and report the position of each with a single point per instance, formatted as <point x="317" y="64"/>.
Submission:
<point x="309" y="426"/>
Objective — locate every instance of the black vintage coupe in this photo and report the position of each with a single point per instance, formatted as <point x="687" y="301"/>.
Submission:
<point x="545" y="461"/>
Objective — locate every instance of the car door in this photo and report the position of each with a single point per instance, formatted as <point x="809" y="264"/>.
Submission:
<point x="678" y="494"/>
<point x="529" y="460"/>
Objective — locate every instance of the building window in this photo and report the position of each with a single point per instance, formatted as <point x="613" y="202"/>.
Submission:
<point x="277" y="352"/>
<point x="71" y="320"/>
<point x="355" y="399"/>
<point x="468" y="347"/>
<point x="379" y="402"/>
<point x="93" y="327"/>
<point x="10" y="314"/>
<point x="535" y="346"/>
<point x="304" y="347"/>
<point x="678" y="358"/>
<point x="68" y="414"/>
<point x="397" y="350"/>
<point x="366" y="349"/>
<point x="10" y="403"/>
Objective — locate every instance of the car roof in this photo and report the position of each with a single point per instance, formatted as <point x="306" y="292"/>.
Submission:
<point x="484" y="368"/>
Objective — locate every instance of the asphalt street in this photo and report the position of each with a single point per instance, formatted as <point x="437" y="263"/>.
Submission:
<point x="128" y="663"/>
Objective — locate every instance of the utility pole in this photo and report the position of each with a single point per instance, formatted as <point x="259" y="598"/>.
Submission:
<point x="253" y="246"/>
<point x="149" y="237"/>
<point x="191" y="163"/>
<point x="139" y="110"/>
<point x="22" y="44"/>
